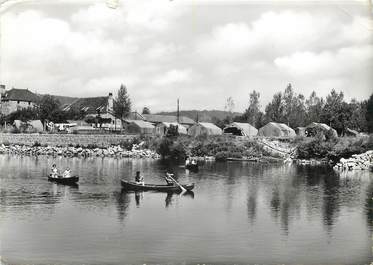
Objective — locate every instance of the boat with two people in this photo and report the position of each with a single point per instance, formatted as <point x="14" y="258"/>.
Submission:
<point x="191" y="164"/>
<point x="171" y="186"/>
<point x="64" y="178"/>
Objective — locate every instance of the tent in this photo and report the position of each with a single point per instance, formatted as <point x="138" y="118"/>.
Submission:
<point x="36" y="124"/>
<point x="204" y="128"/>
<point x="274" y="129"/>
<point x="162" y="128"/>
<point x="141" y="127"/>
<point x="313" y="128"/>
<point x="241" y="129"/>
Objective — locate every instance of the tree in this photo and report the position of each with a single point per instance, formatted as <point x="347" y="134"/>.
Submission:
<point x="253" y="114"/>
<point x="49" y="109"/>
<point x="274" y="111"/>
<point x="229" y="106"/>
<point x="369" y="114"/>
<point x="145" y="110"/>
<point x="122" y="106"/>
<point x="314" y="108"/>
<point x="335" y="111"/>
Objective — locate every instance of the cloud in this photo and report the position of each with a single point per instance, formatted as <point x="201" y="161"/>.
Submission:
<point x="173" y="76"/>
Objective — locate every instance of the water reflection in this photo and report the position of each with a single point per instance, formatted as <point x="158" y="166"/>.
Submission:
<point x="242" y="213"/>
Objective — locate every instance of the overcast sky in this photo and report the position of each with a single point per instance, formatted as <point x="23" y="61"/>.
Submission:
<point x="199" y="51"/>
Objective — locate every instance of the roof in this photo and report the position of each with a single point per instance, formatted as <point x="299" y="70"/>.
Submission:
<point x="210" y="126"/>
<point x="143" y="124"/>
<point x="167" y="118"/>
<point x="16" y="94"/>
<point x="247" y="128"/>
<point x="89" y="105"/>
<point x="319" y="125"/>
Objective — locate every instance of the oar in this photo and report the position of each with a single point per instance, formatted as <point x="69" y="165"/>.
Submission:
<point x="181" y="187"/>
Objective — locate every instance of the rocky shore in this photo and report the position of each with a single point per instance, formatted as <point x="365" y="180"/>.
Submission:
<point x="356" y="162"/>
<point x="112" y="151"/>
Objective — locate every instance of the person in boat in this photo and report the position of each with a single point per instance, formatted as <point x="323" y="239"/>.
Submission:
<point x="187" y="161"/>
<point x="54" y="171"/>
<point x="169" y="179"/>
<point x="67" y="173"/>
<point x="194" y="162"/>
<point x="139" y="179"/>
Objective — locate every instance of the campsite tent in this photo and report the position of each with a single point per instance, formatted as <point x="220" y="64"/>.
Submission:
<point x="274" y="129"/>
<point x="36" y="125"/>
<point x="204" y="128"/>
<point x="162" y="128"/>
<point x="139" y="126"/>
<point x="313" y="128"/>
<point x="241" y="129"/>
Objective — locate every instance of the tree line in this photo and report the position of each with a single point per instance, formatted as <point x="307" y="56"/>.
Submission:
<point x="296" y="110"/>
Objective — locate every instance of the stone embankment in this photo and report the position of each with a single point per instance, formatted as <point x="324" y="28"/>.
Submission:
<point x="112" y="151"/>
<point x="356" y="162"/>
<point x="101" y="140"/>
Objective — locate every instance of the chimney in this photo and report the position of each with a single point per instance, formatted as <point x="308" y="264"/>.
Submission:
<point x="110" y="102"/>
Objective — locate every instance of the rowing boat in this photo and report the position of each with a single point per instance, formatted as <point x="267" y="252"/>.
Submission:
<point x="193" y="167"/>
<point x="62" y="180"/>
<point x="133" y="186"/>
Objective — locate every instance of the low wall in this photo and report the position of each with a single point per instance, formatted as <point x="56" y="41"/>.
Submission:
<point x="63" y="139"/>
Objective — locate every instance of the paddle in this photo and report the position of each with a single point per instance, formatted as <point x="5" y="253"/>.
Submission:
<point x="177" y="183"/>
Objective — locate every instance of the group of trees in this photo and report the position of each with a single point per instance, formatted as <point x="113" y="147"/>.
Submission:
<point x="296" y="111"/>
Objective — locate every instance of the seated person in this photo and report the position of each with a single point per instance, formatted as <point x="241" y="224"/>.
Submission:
<point x="187" y="161"/>
<point x="138" y="178"/>
<point x="169" y="179"/>
<point x="194" y="162"/>
<point x="54" y="171"/>
<point x="67" y="173"/>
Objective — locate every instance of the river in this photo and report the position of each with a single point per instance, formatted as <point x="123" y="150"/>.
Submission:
<point x="239" y="213"/>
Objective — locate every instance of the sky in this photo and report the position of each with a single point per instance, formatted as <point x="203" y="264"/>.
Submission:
<point x="201" y="51"/>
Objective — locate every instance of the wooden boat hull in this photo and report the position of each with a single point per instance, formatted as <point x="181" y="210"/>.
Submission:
<point x="128" y="185"/>
<point x="67" y="181"/>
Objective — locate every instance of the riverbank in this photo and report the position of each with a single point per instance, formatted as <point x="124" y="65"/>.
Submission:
<point x="112" y="151"/>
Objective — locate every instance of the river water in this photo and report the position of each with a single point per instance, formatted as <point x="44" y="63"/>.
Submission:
<point x="242" y="213"/>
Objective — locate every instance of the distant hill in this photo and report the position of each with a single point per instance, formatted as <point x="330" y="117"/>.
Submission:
<point x="203" y="115"/>
<point x="65" y="100"/>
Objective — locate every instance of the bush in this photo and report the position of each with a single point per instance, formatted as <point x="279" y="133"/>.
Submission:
<point x="221" y="156"/>
<point x="36" y="144"/>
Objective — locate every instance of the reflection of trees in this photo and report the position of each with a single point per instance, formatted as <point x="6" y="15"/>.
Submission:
<point x="330" y="202"/>
<point x="369" y="206"/>
<point x="123" y="201"/>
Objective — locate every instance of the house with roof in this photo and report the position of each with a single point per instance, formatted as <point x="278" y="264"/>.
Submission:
<point x="204" y="128"/>
<point x="274" y="129"/>
<point x="156" y="119"/>
<point x="96" y="107"/>
<point x="140" y="127"/>
<point x="15" y="99"/>
<point x="240" y="129"/>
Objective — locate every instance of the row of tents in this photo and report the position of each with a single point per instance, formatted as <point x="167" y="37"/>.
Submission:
<point x="271" y="129"/>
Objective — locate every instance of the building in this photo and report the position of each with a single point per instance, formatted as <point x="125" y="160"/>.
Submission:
<point x="274" y="129"/>
<point x="15" y="99"/>
<point x="97" y="107"/>
<point x="140" y="127"/>
<point x="313" y="128"/>
<point x="204" y="128"/>
<point x="240" y="129"/>
<point x="156" y="119"/>
<point x="163" y="127"/>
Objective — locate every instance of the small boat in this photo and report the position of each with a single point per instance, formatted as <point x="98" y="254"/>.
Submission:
<point x="68" y="181"/>
<point x="133" y="186"/>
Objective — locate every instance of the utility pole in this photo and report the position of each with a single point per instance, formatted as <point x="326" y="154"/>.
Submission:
<point x="178" y="112"/>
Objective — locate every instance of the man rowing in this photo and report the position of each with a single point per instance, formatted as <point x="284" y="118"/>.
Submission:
<point x="139" y="179"/>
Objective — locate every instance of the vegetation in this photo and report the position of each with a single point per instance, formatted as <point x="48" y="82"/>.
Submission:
<point x="122" y="106"/>
<point x="145" y="110"/>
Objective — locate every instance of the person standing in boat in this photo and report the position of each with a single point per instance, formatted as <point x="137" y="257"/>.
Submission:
<point x="169" y="179"/>
<point x="138" y="178"/>
<point x="67" y="173"/>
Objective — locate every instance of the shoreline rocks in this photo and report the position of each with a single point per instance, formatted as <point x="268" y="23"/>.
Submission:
<point x="112" y="151"/>
<point x="362" y="161"/>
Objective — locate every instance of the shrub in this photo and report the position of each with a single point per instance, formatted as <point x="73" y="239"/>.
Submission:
<point x="221" y="156"/>
<point x="36" y="144"/>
